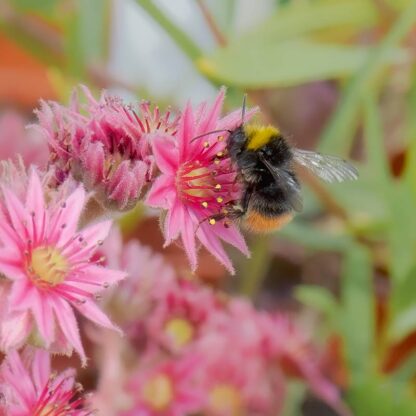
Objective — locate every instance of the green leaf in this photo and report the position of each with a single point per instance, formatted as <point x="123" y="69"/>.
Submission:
<point x="338" y="135"/>
<point x="86" y="35"/>
<point x="380" y="397"/>
<point x="403" y="306"/>
<point x="299" y="19"/>
<point x="357" y="311"/>
<point x="403" y="324"/>
<point x="39" y="6"/>
<point x="314" y="238"/>
<point x="402" y="231"/>
<point x="377" y="161"/>
<point x="317" y="298"/>
<point x="286" y="63"/>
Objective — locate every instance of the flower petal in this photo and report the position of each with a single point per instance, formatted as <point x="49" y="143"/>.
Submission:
<point x="69" y="326"/>
<point x="213" y="245"/>
<point x="165" y="153"/>
<point x="162" y="192"/>
<point x="41" y="369"/>
<point x="92" y="312"/>
<point x="188" y="238"/>
<point x="42" y="312"/>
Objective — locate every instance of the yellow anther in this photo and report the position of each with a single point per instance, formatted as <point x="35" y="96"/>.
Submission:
<point x="206" y="144"/>
<point x="212" y="221"/>
<point x="205" y="204"/>
<point x="220" y="138"/>
<point x="220" y="154"/>
<point x="217" y="186"/>
<point x="219" y="200"/>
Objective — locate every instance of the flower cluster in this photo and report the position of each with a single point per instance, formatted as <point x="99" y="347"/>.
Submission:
<point x="69" y="283"/>
<point x="192" y="342"/>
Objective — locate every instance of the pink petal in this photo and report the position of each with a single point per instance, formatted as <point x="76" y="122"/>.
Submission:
<point x="92" y="312"/>
<point x="42" y="312"/>
<point x="35" y="202"/>
<point x="18" y="378"/>
<point x="92" y="237"/>
<point x="210" y="120"/>
<point x="165" y="153"/>
<point x="17" y="213"/>
<point x="233" y="236"/>
<point x="69" y="326"/>
<point x="186" y="131"/>
<point x="10" y="267"/>
<point x="21" y="295"/>
<point x="94" y="279"/>
<point x="173" y="223"/>
<point x="41" y="369"/>
<point x="15" y="328"/>
<point x="233" y="120"/>
<point x="162" y="192"/>
<point x="9" y="238"/>
<point x="188" y="238"/>
<point x="213" y="245"/>
<point x="66" y="218"/>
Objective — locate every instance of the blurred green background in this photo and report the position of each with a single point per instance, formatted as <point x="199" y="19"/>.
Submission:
<point x="335" y="75"/>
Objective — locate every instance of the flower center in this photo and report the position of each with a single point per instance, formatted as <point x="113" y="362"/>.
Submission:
<point x="158" y="392"/>
<point x="48" y="265"/>
<point x="180" y="331"/>
<point x="195" y="181"/>
<point x="226" y="399"/>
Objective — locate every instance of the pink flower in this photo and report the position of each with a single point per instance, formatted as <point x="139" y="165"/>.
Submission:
<point x="197" y="181"/>
<point x="182" y="314"/>
<point x="48" y="262"/>
<point x="108" y="149"/>
<point x="235" y="382"/>
<point x="28" y="387"/>
<point x="166" y="389"/>
<point x="148" y="276"/>
<point x="297" y="357"/>
<point x="16" y="140"/>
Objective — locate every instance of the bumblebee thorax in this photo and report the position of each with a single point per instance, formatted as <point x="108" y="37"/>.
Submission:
<point x="258" y="136"/>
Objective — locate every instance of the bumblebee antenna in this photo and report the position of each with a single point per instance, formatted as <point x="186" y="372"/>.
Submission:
<point x="243" y="109"/>
<point x="211" y="132"/>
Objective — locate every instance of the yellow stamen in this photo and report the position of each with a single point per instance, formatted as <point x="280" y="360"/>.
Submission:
<point x="180" y="331"/>
<point x="212" y="221"/>
<point x="49" y="265"/>
<point x="205" y="204"/>
<point x="226" y="399"/>
<point x="158" y="392"/>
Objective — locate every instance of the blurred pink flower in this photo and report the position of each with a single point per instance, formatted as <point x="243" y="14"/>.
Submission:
<point x="48" y="263"/>
<point x="236" y="383"/>
<point x="28" y="387"/>
<point x="197" y="181"/>
<point x="166" y="389"/>
<point x="296" y="355"/>
<point x="108" y="149"/>
<point x="148" y="276"/>
<point x="16" y="139"/>
<point x="181" y="315"/>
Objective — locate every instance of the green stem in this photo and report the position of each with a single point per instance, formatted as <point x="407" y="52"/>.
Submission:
<point x="256" y="268"/>
<point x="338" y="135"/>
<point x="188" y="46"/>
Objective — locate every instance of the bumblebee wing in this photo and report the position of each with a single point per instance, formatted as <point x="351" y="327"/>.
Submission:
<point x="289" y="185"/>
<point x="328" y="168"/>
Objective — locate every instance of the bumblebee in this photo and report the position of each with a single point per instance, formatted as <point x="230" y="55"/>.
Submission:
<point x="266" y="165"/>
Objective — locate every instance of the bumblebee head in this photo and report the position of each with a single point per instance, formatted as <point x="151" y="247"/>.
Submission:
<point x="258" y="136"/>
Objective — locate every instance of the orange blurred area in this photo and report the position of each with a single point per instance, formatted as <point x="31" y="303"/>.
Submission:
<point x="23" y="79"/>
